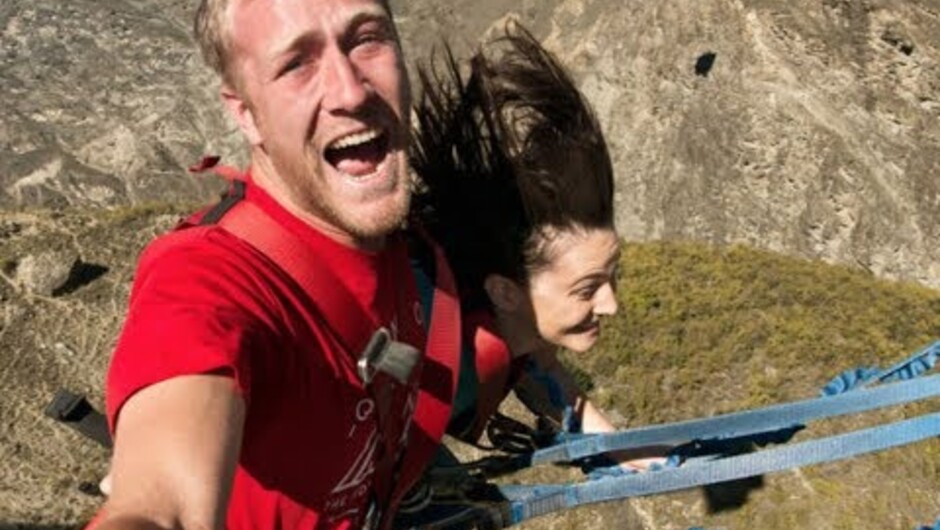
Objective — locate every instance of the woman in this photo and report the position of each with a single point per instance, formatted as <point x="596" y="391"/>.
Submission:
<point x="516" y="184"/>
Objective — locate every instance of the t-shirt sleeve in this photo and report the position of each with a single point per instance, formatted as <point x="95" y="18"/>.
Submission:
<point x="194" y="309"/>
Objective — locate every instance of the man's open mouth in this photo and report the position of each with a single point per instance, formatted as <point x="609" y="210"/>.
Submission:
<point x="358" y="154"/>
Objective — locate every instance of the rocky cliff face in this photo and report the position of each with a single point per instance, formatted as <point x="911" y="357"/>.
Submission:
<point x="104" y="103"/>
<point x="814" y="131"/>
<point x="809" y="128"/>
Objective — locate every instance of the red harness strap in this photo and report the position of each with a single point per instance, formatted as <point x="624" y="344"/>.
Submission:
<point x="439" y="374"/>
<point x="438" y="384"/>
<point x="346" y="319"/>
<point x="438" y="381"/>
<point x="493" y="363"/>
<point x="438" y="378"/>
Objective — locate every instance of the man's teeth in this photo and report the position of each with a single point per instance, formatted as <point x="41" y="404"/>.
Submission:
<point x="355" y="139"/>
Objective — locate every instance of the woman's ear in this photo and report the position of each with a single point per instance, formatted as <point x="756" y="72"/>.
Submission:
<point x="505" y="294"/>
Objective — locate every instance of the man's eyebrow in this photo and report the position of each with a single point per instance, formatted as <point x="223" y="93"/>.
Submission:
<point x="312" y="39"/>
<point x="364" y="17"/>
<point x="306" y="40"/>
<point x="369" y="15"/>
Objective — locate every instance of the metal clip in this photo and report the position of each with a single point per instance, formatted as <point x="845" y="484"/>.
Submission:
<point x="382" y="354"/>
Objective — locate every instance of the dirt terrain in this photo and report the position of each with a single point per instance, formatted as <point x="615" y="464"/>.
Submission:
<point x="808" y="129"/>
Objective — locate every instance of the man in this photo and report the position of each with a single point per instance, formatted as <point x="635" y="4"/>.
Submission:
<point x="232" y="400"/>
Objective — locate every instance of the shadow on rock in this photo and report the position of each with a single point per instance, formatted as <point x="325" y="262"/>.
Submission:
<point x="728" y="496"/>
<point x="81" y="274"/>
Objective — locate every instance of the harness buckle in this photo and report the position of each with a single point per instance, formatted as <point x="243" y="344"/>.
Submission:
<point x="382" y="354"/>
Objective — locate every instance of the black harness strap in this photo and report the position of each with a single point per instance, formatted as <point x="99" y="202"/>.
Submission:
<point x="229" y="200"/>
<point x="76" y="412"/>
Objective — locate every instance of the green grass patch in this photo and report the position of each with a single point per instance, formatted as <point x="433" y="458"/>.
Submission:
<point x="758" y="327"/>
<point x="704" y="330"/>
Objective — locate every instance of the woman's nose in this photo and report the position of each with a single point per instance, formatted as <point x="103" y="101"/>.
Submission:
<point x="605" y="300"/>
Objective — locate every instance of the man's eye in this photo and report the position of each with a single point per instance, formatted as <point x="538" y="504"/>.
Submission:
<point x="616" y="276"/>
<point x="370" y="36"/>
<point x="291" y="65"/>
<point x="373" y="34"/>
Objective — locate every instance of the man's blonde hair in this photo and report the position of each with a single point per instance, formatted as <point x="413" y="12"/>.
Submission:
<point x="210" y="27"/>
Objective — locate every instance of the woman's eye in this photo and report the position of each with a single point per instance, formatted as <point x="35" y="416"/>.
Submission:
<point x="587" y="293"/>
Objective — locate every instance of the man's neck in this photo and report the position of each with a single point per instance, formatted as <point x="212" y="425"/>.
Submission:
<point x="265" y="177"/>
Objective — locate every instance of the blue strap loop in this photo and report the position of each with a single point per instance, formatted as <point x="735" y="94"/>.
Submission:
<point x="914" y="366"/>
<point x="527" y="502"/>
<point x="713" y="455"/>
<point x="936" y="526"/>
<point x="776" y="417"/>
<point x="721" y="448"/>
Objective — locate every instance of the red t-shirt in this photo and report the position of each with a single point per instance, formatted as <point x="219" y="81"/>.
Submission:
<point x="204" y="301"/>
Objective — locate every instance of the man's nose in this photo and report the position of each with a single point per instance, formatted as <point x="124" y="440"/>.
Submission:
<point x="605" y="300"/>
<point x="345" y="88"/>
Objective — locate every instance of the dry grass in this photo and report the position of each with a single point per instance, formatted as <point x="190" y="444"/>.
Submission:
<point x="700" y="331"/>
<point x="705" y="330"/>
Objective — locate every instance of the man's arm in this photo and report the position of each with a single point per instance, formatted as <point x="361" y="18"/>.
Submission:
<point x="176" y="448"/>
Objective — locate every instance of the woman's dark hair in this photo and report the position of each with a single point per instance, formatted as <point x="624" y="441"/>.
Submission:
<point x="506" y="157"/>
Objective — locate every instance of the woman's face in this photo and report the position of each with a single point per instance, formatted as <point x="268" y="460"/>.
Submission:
<point x="569" y="295"/>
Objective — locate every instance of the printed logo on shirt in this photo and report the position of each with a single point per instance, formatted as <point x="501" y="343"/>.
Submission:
<point x="363" y="467"/>
<point x="407" y="416"/>
<point x="348" y="497"/>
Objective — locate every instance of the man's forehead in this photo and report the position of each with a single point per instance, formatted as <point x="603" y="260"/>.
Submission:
<point x="262" y="32"/>
<point x="285" y="20"/>
<point x="321" y="7"/>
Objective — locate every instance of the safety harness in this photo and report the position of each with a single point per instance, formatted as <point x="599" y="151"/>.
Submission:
<point x="493" y="372"/>
<point x="707" y="451"/>
<point x="380" y="355"/>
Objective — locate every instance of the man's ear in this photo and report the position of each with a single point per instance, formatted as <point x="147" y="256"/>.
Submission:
<point x="239" y="109"/>
<point x="506" y="294"/>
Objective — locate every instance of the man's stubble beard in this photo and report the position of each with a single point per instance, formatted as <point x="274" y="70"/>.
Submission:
<point x="305" y="179"/>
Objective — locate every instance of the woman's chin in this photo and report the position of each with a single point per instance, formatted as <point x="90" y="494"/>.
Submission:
<point x="581" y="342"/>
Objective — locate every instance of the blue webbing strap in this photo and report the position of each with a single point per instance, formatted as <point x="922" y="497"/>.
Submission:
<point x="527" y="502"/>
<point x="913" y="366"/>
<point x="741" y="423"/>
<point x="909" y="368"/>
<point x="778" y="421"/>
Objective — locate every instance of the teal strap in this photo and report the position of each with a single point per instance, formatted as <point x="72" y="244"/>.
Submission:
<point x="527" y="502"/>
<point x="936" y="526"/>
<point x="742" y="423"/>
